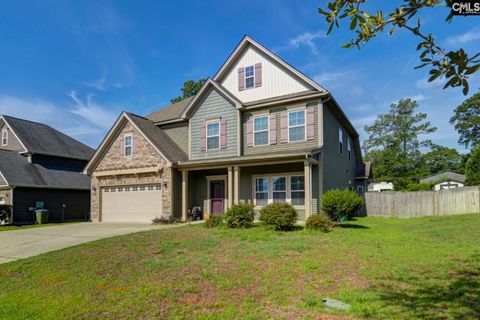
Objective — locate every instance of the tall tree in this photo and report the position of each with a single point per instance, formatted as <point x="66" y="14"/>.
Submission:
<point x="189" y="89"/>
<point x="455" y="65"/>
<point x="472" y="168"/>
<point x="466" y="121"/>
<point x="441" y="158"/>
<point x="394" y="146"/>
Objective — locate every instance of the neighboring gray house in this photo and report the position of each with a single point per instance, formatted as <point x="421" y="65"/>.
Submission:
<point x="42" y="167"/>
<point x="258" y="132"/>
<point x="447" y="179"/>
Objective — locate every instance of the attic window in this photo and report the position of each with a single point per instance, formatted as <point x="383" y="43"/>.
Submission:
<point x="4" y="137"/>
<point x="249" y="77"/>
<point x="127" y="148"/>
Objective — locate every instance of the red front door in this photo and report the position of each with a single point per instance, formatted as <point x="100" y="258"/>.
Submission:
<point x="217" y="196"/>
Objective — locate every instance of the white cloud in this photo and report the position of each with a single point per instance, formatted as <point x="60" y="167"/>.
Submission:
<point x="425" y="85"/>
<point x="418" y="97"/>
<point x="31" y="109"/>
<point x="306" y="39"/>
<point x="92" y="112"/>
<point x="464" y="38"/>
<point x="100" y="83"/>
<point x="333" y="79"/>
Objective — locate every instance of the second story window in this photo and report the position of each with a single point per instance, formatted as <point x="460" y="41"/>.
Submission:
<point x="260" y="130"/>
<point x="127" y="145"/>
<point x="4" y="137"/>
<point x="349" y="146"/>
<point x="249" y="77"/>
<point x="296" y="125"/>
<point x="213" y="135"/>
<point x="340" y="140"/>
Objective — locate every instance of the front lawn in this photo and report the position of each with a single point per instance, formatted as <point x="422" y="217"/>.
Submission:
<point x="424" y="268"/>
<point x="29" y="226"/>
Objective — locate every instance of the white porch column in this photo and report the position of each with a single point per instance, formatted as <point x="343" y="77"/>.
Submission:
<point x="184" y="194"/>
<point x="236" y="184"/>
<point x="308" y="188"/>
<point x="230" y="187"/>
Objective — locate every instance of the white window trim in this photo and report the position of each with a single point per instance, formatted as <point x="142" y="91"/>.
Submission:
<point x="5" y="132"/>
<point x="245" y="80"/>
<point x="340" y="140"/>
<point x="349" y="147"/>
<point x="267" y="130"/>
<point x="297" y="126"/>
<point x="360" y="188"/>
<point x="207" y="136"/>
<point x="288" y="176"/>
<point x="125" y="145"/>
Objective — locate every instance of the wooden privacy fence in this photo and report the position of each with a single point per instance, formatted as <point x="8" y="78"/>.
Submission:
<point x="423" y="203"/>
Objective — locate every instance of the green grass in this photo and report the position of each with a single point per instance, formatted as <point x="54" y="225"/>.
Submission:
<point x="425" y="268"/>
<point x="29" y="226"/>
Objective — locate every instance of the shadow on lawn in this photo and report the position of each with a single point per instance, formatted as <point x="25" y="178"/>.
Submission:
<point x="352" y="226"/>
<point x="430" y="296"/>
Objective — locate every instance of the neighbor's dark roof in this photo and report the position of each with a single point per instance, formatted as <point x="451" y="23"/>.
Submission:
<point x="170" y="112"/>
<point x="159" y="138"/>
<point x="446" y="174"/>
<point x="363" y="170"/>
<point x="42" y="139"/>
<point x="19" y="172"/>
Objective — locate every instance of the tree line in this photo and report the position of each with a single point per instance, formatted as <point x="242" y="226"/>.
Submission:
<point x="401" y="152"/>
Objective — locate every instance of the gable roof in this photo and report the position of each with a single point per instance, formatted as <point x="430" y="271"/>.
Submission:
<point x="170" y="112"/>
<point x="446" y="174"/>
<point x="247" y="41"/>
<point x="17" y="171"/>
<point x="159" y="140"/>
<point x="204" y="89"/>
<point x="39" y="138"/>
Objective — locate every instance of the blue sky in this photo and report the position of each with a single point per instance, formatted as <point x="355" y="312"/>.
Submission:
<point x="77" y="64"/>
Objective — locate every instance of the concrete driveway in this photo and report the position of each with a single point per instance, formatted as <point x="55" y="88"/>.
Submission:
<point x="19" y="244"/>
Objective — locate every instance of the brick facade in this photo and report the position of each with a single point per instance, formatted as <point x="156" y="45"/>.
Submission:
<point x="144" y="156"/>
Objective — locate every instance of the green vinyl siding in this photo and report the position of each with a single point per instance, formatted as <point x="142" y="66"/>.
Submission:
<point x="279" y="146"/>
<point x="178" y="132"/>
<point x="338" y="171"/>
<point x="214" y="105"/>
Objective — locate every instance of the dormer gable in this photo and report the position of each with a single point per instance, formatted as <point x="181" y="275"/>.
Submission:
<point x="253" y="73"/>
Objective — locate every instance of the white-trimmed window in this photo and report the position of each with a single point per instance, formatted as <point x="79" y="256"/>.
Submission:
<point x="285" y="188"/>
<point x="297" y="190"/>
<point x="260" y="130"/>
<point x="261" y="191"/>
<point x="213" y="135"/>
<point x="360" y="189"/>
<point x="340" y="140"/>
<point x="296" y="125"/>
<point x="349" y="146"/>
<point x="279" y="189"/>
<point x="127" y="145"/>
<point x="4" y="137"/>
<point x="249" y="77"/>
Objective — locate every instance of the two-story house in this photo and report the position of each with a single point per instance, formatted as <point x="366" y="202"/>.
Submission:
<point x="41" y="168"/>
<point x="258" y="132"/>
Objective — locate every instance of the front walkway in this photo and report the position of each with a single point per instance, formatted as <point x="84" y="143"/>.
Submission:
<point x="19" y="244"/>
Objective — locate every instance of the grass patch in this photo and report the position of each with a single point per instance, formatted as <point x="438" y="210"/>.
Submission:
<point x="425" y="268"/>
<point x="30" y="226"/>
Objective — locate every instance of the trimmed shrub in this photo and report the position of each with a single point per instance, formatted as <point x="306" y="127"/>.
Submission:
<point x="164" y="219"/>
<point x="215" y="221"/>
<point x="420" y="186"/>
<point x="5" y="213"/>
<point x="340" y="205"/>
<point x="319" y="222"/>
<point x="280" y="216"/>
<point x="239" y="216"/>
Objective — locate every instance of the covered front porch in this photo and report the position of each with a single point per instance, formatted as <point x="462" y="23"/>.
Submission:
<point x="215" y="187"/>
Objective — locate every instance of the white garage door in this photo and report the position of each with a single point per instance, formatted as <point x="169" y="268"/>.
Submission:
<point x="131" y="203"/>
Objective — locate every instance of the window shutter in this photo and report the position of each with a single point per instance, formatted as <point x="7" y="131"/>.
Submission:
<point x="223" y="134"/>
<point x="258" y="75"/>
<point x="284" y="126"/>
<point x="121" y="152"/>
<point x="310" y="123"/>
<point x="203" y="137"/>
<point x="273" y="128"/>
<point x="134" y="144"/>
<point x="250" y="132"/>
<point x="241" y="79"/>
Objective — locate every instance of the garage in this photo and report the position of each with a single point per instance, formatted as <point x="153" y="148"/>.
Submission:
<point x="131" y="203"/>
